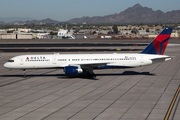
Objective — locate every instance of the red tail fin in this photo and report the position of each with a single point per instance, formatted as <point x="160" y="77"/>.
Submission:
<point x="158" y="45"/>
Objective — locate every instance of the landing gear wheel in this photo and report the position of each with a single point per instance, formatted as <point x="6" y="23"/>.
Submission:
<point x="24" y="72"/>
<point x="91" y="73"/>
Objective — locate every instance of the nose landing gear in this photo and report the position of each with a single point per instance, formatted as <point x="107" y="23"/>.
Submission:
<point x="24" y="72"/>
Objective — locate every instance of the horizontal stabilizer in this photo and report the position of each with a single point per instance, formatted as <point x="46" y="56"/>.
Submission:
<point x="156" y="60"/>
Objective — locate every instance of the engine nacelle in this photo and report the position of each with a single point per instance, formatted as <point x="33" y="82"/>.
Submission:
<point x="72" y="70"/>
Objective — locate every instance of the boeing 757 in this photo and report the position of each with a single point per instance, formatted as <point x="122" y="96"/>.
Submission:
<point x="74" y="64"/>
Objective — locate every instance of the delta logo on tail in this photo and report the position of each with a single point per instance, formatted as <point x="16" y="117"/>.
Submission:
<point x="158" y="45"/>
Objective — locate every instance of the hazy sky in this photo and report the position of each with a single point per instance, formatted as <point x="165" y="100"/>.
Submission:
<point x="63" y="10"/>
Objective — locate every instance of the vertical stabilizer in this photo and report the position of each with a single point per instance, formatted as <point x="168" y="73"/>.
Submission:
<point x="158" y="45"/>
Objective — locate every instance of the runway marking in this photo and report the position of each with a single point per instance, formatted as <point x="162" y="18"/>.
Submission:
<point x="172" y="104"/>
<point x="13" y="82"/>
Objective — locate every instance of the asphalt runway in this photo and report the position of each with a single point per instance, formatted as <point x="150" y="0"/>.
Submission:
<point x="69" y="47"/>
<point x="144" y="93"/>
<point x="66" y="50"/>
<point x="112" y="44"/>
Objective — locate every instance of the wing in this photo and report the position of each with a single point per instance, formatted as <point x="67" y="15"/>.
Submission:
<point x="90" y="65"/>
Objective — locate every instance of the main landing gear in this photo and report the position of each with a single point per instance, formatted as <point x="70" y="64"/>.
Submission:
<point x="24" y="72"/>
<point x="91" y="73"/>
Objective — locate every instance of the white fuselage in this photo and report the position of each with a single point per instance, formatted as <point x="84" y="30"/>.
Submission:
<point x="62" y="60"/>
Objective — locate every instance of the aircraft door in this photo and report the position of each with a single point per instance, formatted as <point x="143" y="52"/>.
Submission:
<point x="54" y="59"/>
<point x="141" y="59"/>
<point x="21" y="61"/>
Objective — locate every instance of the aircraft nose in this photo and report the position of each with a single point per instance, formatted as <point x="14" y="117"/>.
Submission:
<point x="6" y="65"/>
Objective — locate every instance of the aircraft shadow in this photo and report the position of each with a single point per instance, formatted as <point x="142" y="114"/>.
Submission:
<point x="127" y="73"/>
<point x="33" y="75"/>
<point x="82" y="75"/>
<point x="60" y="76"/>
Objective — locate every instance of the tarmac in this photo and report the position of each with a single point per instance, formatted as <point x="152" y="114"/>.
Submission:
<point x="143" y="93"/>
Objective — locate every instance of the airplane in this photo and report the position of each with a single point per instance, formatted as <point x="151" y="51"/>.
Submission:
<point x="63" y="34"/>
<point x="74" y="64"/>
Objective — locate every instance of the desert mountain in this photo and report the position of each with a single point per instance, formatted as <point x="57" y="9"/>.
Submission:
<point x="135" y="14"/>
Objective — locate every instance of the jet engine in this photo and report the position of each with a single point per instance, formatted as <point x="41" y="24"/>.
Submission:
<point x="72" y="70"/>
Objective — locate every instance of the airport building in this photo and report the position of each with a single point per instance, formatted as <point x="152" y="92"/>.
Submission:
<point x="103" y="32"/>
<point x="16" y="35"/>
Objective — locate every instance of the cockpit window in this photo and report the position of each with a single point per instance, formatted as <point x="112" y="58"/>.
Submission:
<point x="10" y="60"/>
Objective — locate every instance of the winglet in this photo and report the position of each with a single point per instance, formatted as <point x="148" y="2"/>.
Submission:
<point x="158" y="45"/>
